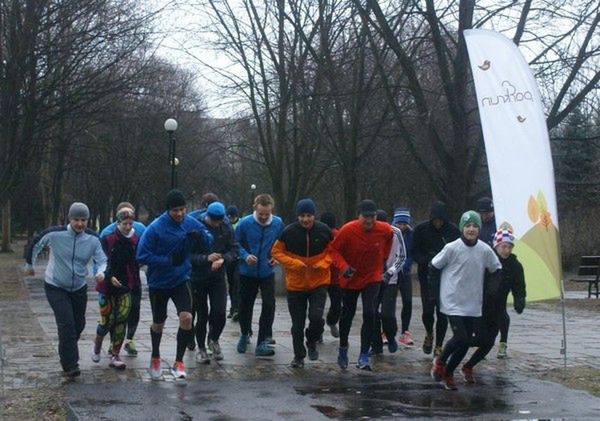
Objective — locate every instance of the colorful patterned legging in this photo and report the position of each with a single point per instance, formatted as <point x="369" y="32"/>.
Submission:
<point x="114" y="310"/>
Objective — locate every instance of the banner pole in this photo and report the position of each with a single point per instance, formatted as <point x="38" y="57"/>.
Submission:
<point x="563" y="348"/>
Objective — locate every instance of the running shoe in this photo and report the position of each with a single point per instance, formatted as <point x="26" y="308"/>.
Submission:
<point x="215" y="349"/>
<point x="96" y="352"/>
<point x="297" y="363"/>
<point x="72" y="372"/>
<point x="178" y="370"/>
<point x="502" y="351"/>
<point x="467" y="373"/>
<point x="363" y="362"/>
<point x="438" y="369"/>
<point x="243" y="344"/>
<point x="264" y="350"/>
<point x="115" y="362"/>
<point x="202" y="356"/>
<point x="130" y="349"/>
<point x="342" y="359"/>
<point x="406" y="339"/>
<point x="449" y="383"/>
<point x="155" y="368"/>
<point x="428" y="344"/>
<point x="392" y="345"/>
<point x="334" y="330"/>
<point x="313" y="352"/>
<point x="437" y="351"/>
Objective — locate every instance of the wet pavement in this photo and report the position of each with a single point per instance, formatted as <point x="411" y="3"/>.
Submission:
<point x="245" y="387"/>
<point x="342" y="396"/>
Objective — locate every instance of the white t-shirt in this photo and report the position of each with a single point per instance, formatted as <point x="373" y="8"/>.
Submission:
<point x="463" y="269"/>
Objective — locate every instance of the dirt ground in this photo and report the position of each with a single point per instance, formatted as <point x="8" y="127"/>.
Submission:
<point x="583" y="378"/>
<point x="33" y="404"/>
<point x="26" y="404"/>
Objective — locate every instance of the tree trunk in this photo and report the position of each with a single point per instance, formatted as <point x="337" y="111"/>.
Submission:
<point x="6" y="234"/>
<point x="350" y="194"/>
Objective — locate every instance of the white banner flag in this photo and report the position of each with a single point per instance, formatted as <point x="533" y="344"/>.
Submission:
<point x="519" y="158"/>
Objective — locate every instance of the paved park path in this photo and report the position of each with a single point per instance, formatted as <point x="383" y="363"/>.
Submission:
<point x="29" y="344"/>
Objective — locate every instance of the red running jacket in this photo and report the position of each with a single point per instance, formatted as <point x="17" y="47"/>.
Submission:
<point x="365" y="251"/>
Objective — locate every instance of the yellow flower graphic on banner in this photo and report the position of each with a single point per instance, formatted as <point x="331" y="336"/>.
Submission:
<point x="538" y="249"/>
<point x="537" y="210"/>
<point x="532" y="210"/>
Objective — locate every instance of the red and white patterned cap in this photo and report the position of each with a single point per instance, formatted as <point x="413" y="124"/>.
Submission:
<point x="503" y="235"/>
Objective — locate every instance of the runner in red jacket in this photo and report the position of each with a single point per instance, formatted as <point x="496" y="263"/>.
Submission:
<point x="359" y="252"/>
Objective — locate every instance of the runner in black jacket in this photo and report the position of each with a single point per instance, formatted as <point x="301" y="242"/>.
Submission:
<point x="429" y="238"/>
<point x="208" y="281"/>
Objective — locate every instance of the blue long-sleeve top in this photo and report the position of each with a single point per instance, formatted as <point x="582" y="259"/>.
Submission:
<point x="408" y="239"/>
<point x="137" y="226"/>
<point x="165" y="237"/>
<point x="70" y="254"/>
<point x="257" y="239"/>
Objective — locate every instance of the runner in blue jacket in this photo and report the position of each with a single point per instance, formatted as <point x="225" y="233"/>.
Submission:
<point x="165" y="248"/>
<point x="256" y="234"/>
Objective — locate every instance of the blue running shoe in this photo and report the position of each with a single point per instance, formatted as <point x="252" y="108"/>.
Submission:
<point x="363" y="362"/>
<point x="343" y="358"/>
<point x="264" y="350"/>
<point x="242" y="344"/>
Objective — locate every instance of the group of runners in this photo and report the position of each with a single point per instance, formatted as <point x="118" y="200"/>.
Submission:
<point x="196" y="259"/>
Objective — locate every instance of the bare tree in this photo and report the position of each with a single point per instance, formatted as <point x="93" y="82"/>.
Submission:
<point x="275" y="81"/>
<point x="434" y="68"/>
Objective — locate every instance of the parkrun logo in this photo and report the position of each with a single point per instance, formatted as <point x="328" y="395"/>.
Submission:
<point x="510" y="95"/>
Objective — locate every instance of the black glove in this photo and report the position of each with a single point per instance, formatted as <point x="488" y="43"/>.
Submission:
<point x="519" y="304"/>
<point x="349" y="272"/>
<point x="122" y="252"/>
<point x="195" y="235"/>
<point x="433" y="285"/>
<point x="177" y="258"/>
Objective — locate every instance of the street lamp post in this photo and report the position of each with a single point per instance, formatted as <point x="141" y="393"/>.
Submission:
<point x="170" y="127"/>
<point x="252" y="190"/>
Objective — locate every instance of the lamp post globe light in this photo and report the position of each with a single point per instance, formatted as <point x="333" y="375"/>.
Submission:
<point x="252" y="190"/>
<point x="170" y="127"/>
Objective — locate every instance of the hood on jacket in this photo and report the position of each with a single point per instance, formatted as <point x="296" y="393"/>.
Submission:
<point x="439" y="210"/>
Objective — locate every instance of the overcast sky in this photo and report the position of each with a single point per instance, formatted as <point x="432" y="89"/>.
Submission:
<point x="182" y="41"/>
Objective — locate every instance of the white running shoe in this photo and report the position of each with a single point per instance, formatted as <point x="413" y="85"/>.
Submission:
<point x="178" y="370"/>
<point x="155" y="369"/>
<point x="115" y="362"/>
<point x="202" y="356"/>
<point x="215" y="349"/>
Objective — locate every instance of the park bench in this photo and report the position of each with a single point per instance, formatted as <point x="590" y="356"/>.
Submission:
<point x="589" y="271"/>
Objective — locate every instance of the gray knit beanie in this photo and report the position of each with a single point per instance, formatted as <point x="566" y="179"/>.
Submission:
<point x="79" y="210"/>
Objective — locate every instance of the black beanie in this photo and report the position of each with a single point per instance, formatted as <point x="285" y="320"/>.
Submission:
<point x="381" y="215"/>
<point x="439" y="210"/>
<point x="306" y="206"/>
<point x="175" y="199"/>
<point x="328" y="218"/>
<point x="232" y="210"/>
